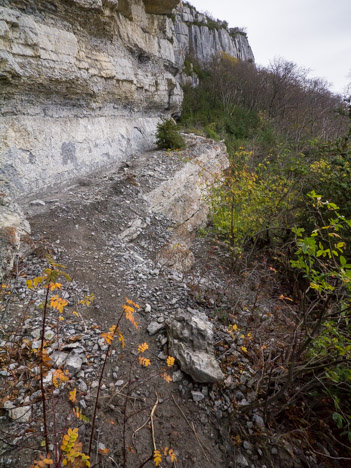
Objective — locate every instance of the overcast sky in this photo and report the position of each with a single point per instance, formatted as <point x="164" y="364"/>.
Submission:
<point x="315" y="34"/>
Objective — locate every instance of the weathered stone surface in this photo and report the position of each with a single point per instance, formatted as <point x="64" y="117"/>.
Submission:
<point x="190" y="338"/>
<point x="196" y="39"/>
<point x="73" y="363"/>
<point x="13" y="230"/>
<point x="183" y="198"/>
<point x="58" y="358"/>
<point x="21" y="414"/>
<point x="154" y="327"/>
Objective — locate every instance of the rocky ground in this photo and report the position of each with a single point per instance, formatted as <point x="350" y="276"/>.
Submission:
<point x="120" y="235"/>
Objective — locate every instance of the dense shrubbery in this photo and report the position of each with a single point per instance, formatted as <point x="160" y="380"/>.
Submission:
<point x="288" y="138"/>
<point x="286" y="135"/>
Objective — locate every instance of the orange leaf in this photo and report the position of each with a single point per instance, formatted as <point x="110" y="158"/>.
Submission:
<point x="166" y="377"/>
<point x="172" y="455"/>
<point x="144" y="361"/>
<point x="128" y="301"/>
<point x="104" y="451"/>
<point x="143" y="347"/>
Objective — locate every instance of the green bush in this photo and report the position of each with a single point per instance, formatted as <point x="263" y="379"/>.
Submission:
<point x="168" y="136"/>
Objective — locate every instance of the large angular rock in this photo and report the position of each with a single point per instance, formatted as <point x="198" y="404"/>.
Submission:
<point x="74" y="363"/>
<point x="190" y="338"/>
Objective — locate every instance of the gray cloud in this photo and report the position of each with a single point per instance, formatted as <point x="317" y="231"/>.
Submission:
<point x="315" y="34"/>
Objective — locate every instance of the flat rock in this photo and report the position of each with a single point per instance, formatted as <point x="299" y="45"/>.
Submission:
<point x="20" y="414"/>
<point x="58" y="358"/>
<point x="154" y="327"/>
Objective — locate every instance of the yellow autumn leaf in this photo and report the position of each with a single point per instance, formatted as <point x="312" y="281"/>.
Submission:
<point x="143" y="347"/>
<point x="157" y="457"/>
<point x="53" y="286"/>
<point x="170" y="361"/>
<point x="244" y="349"/>
<point x="121" y="338"/>
<point x="73" y="396"/>
<point x="58" y="303"/>
<point x="108" y="337"/>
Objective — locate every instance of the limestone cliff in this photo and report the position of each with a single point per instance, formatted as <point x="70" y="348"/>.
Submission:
<point x="202" y="37"/>
<point x="83" y="83"/>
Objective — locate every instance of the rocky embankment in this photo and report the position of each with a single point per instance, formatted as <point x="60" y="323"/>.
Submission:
<point x="123" y="233"/>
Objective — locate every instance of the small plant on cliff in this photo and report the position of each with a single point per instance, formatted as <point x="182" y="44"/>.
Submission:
<point x="168" y="136"/>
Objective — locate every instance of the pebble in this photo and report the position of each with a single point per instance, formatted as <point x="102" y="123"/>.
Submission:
<point x="38" y="203"/>
<point x="241" y="461"/>
<point x="197" y="396"/>
<point x="258" y="420"/>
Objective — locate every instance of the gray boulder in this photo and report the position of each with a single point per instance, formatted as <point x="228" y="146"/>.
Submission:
<point x="190" y="336"/>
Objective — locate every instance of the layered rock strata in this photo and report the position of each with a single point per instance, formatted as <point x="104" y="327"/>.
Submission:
<point x="201" y="37"/>
<point x="83" y="83"/>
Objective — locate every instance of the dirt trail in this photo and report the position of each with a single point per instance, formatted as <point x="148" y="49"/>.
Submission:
<point x="91" y="227"/>
<point x="113" y="233"/>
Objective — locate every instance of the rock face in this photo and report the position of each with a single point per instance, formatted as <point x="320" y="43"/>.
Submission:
<point x="201" y="37"/>
<point x="190" y="337"/>
<point x="160" y="7"/>
<point x="13" y="228"/>
<point x="84" y="82"/>
<point x="183" y="197"/>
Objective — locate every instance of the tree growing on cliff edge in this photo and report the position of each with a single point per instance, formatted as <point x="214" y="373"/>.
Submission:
<point x="168" y="136"/>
